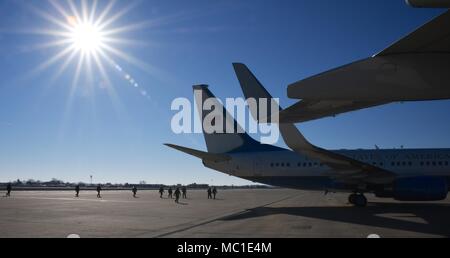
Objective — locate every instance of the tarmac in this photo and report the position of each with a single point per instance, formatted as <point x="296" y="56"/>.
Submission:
<point x="246" y="213"/>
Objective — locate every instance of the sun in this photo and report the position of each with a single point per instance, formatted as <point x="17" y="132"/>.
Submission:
<point x="85" y="36"/>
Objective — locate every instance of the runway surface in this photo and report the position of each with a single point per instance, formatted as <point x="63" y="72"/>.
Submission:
<point x="236" y="213"/>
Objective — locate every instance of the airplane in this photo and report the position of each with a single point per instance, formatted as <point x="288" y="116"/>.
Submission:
<point x="414" y="68"/>
<point x="401" y="174"/>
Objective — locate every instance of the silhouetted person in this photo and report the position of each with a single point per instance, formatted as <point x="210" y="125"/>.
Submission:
<point x="134" y="190"/>
<point x="99" y="189"/>
<point x="170" y="193"/>
<point x="161" y="192"/>
<point x="8" y="190"/>
<point x="77" y="191"/>
<point x="214" y="191"/>
<point x="177" y="194"/>
<point x="184" y="190"/>
<point x="209" y="193"/>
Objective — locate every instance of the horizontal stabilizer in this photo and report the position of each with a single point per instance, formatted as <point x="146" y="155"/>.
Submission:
<point x="201" y="154"/>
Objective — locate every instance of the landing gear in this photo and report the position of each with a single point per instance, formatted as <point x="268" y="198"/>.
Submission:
<point x="358" y="200"/>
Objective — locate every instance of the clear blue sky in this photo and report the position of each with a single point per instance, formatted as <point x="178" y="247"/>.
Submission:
<point x="46" y="131"/>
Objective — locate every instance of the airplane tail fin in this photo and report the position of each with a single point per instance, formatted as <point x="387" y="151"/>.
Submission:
<point x="222" y="133"/>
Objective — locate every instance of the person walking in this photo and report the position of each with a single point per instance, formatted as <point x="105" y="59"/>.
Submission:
<point x="134" y="190"/>
<point x="99" y="189"/>
<point x="209" y="193"/>
<point x="184" y="191"/>
<point x="177" y="195"/>
<point x="77" y="191"/>
<point x="8" y="190"/>
<point x="161" y="192"/>
<point x="214" y="191"/>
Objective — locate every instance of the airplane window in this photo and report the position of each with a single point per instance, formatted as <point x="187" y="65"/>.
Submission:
<point x="434" y="163"/>
<point x="404" y="163"/>
<point x="421" y="163"/>
<point x="304" y="164"/>
<point x="310" y="164"/>
<point x="399" y="164"/>
<point x="410" y="163"/>
<point x="282" y="164"/>
<point x="393" y="164"/>
<point x="271" y="164"/>
<point x="381" y="164"/>
<point x="278" y="164"/>
<point x="440" y="163"/>
<point x="288" y="164"/>
<point x="315" y="164"/>
<point x="446" y="163"/>
<point x="428" y="163"/>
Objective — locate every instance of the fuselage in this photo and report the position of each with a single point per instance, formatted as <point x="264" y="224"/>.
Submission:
<point x="284" y="168"/>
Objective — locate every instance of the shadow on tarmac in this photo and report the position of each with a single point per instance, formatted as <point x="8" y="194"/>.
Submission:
<point x="375" y="215"/>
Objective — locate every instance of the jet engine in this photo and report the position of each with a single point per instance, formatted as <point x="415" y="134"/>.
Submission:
<point x="424" y="188"/>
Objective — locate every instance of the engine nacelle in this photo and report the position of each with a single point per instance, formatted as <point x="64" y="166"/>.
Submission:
<point x="424" y="188"/>
<point x="429" y="3"/>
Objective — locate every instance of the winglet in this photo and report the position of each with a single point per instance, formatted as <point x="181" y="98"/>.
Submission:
<point x="253" y="89"/>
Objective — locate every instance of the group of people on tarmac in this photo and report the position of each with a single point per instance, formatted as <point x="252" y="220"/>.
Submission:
<point x="177" y="193"/>
<point x="212" y="192"/>
<point x="99" y="190"/>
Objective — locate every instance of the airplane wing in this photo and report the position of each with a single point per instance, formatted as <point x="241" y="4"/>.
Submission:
<point x="308" y="110"/>
<point x="432" y="37"/>
<point x="401" y="72"/>
<point x="304" y="110"/>
<point x="347" y="169"/>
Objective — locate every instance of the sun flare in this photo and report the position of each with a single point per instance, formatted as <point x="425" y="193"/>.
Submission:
<point x="92" y="40"/>
<point x="85" y="37"/>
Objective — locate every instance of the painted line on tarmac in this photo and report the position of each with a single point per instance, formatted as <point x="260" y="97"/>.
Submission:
<point x="222" y="217"/>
